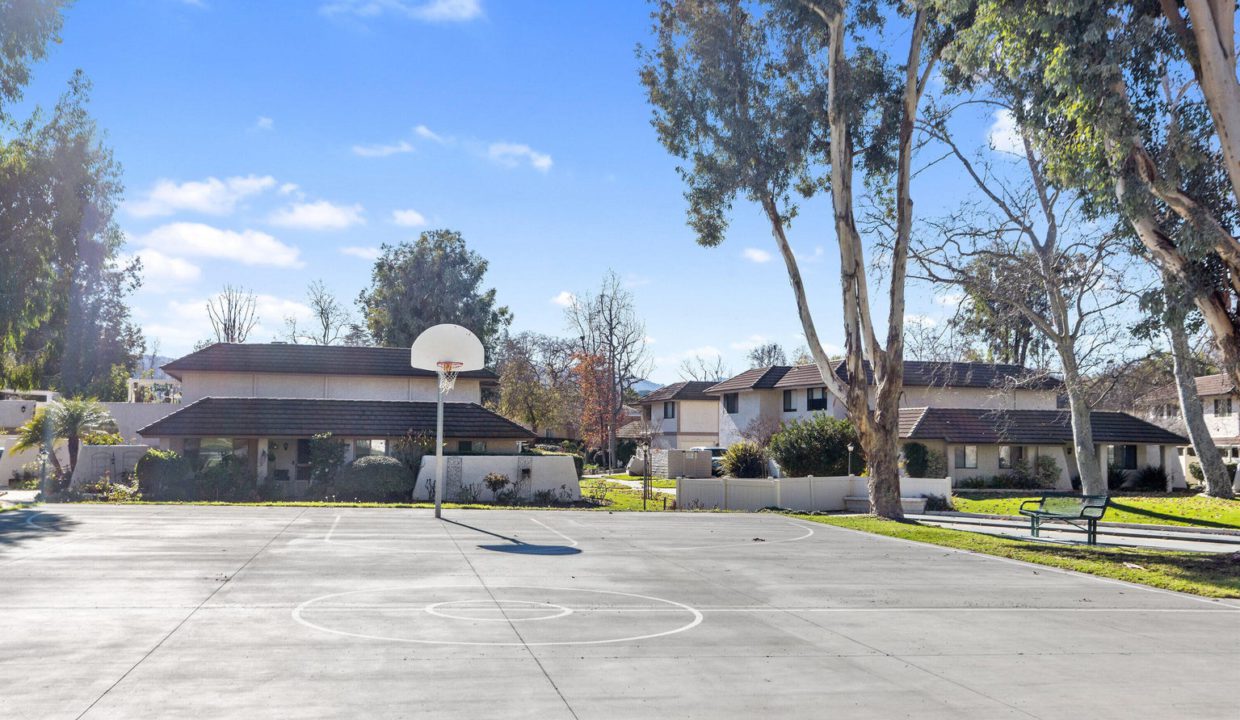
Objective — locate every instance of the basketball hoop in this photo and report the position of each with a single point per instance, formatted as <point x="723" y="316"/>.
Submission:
<point x="447" y="374"/>
<point x="447" y="350"/>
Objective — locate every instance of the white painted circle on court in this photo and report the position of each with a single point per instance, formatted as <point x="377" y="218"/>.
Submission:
<point x="562" y="612"/>
<point x="498" y="611"/>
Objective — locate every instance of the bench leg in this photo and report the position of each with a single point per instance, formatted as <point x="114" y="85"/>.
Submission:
<point x="1092" y="535"/>
<point x="1033" y="526"/>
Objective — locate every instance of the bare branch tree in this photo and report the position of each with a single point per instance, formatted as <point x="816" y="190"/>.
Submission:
<point x="606" y="324"/>
<point x="766" y="355"/>
<point x="1026" y="249"/>
<point x="701" y="368"/>
<point x="232" y="314"/>
<point x="331" y="321"/>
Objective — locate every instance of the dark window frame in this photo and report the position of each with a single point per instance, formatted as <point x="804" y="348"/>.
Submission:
<point x="731" y="403"/>
<point x="790" y="401"/>
<point x="669" y="410"/>
<point x="816" y="403"/>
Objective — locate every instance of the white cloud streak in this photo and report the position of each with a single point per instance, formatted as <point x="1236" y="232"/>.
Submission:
<point x="321" y="215"/>
<point x="247" y="247"/>
<point x="756" y="255"/>
<point x="408" y="218"/>
<point x="378" y="151"/>
<point x="434" y="11"/>
<point x="514" y="154"/>
<point x="210" y="197"/>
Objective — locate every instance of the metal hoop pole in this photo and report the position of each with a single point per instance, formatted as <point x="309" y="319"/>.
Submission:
<point x="439" y="447"/>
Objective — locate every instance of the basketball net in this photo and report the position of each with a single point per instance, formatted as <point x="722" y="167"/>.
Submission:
<point x="447" y="375"/>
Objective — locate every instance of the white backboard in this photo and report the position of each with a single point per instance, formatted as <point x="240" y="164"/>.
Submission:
<point x="444" y="343"/>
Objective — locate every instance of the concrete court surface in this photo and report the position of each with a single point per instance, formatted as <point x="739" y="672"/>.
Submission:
<point x="243" y="612"/>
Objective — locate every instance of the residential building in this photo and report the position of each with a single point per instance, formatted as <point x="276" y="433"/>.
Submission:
<point x="985" y="418"/>
<point x="266" y="401"/>
<point x="1220" y="404"/>
<point x="680" y="416"/>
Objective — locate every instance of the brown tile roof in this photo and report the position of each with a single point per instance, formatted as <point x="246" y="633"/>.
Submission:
<point x="1033" y="427"/>
<point x="918" y="373"/>
<point x="690" y="390"/>
<point x="754" y="379"/>
<point x="1207" y="385"/>
<point x="304" y="359"/>
<point x="286" y="417"/>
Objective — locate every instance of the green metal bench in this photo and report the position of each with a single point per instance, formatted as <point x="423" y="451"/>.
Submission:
<point x="1068" y="508"/>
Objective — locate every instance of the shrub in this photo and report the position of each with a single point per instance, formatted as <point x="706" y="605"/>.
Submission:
<point x="1116" y="477"/>
<point x="938" y="503"/>
<point x="916" y="460"/>
<point x="108" y="491"/>
<point x="1045" y="472"/>
<point x="27" y="476"/>
<point x="102" y="438"/>
<point x="376" y="478"/>
<point x="1194" y="469"/>
<point x="410" y="450"/>
<point x="164" y="475"/>
<point x="326" y="457"/>
<point x="816" y="446"/>
<point x="936" y="464"/>
<point x="745" y="460"/>
<point x="229" y="480"/>
<point x="495" y="482"/>
<point x="1150" y="478"/>
<point x="468" y="493"/>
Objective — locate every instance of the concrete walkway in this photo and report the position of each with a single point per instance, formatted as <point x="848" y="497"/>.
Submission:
<point x="1149" y="536"/>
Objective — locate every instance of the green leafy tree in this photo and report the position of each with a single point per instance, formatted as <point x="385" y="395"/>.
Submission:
<point x="760" y="99"/>
<point x="436" y="279"/>
<point x="26" y="27"/>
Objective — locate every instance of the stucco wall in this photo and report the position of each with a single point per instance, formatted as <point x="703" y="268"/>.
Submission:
<point x="131" y="417"/>
<point x="990" y="398"/>
<point x="552" y="473"/>
<point x="1221" y="426"/>
<point x="115" y="461"/>
<point x="197" y="385"/>
<point x="803" y="494"/>
<point x="15" y="413"/>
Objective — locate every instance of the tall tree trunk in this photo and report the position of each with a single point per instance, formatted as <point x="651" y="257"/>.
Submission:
<point x="1218" y="484"/>
<point x="74" y="442"/>
<point x="1088" y="463"/>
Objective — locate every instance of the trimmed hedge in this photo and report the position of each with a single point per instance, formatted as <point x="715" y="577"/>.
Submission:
<point x="745" y="459"/>
<point x="165" y="475"/>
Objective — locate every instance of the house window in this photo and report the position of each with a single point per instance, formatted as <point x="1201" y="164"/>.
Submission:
<point x="669" y="410"/>
<point x="966" y="457"/>
<point x="1122" y="456"/>
<point x="1222" y="406"/>
<point x="471" y="446"/>
<point x="1009" y="454"/>
<point x="731" y="401"/>
<point x="374" y="446"/>
<point x="790" y="401"/>
<point x="646" y="413"/>
<point x="816" y="399"/>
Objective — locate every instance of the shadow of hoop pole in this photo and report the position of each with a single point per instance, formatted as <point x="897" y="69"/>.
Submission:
<point x="515" y="546"/>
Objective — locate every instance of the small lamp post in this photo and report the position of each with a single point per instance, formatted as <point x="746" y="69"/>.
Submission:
<point x="850" y="452"/>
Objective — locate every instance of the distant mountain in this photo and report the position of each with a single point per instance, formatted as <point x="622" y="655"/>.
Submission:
<point x="144" y="364"/>
<point x="645" y="387"/>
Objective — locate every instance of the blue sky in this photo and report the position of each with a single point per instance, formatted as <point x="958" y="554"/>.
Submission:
<point x="270" y="144"/>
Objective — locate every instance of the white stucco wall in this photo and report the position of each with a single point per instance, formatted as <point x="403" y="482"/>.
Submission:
<point x="114" y="461"/>
<point x="15" y="413"/>
<point x="990" y="398"/>
<point x="131" y="417"/>
<point x="553" y="473"/>
<point x="1221" y="426"/>
<point x="199" y="384"/>
<point x="804" y="494"/>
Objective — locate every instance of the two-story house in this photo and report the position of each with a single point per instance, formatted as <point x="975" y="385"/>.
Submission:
<point x="983" y="417"/>
<point x="266" y="401"/>
<point x="681" y="416"/>
<point x="1220" y="404"/>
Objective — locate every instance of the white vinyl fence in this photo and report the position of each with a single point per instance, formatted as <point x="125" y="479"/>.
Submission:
<point x="803" y="494"/>
<point x="528" y="475"/>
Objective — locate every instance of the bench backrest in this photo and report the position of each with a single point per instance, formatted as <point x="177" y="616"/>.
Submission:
<point x="1086" y="506"/>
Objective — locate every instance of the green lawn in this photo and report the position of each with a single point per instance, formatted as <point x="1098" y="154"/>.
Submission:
<point x="1188" y="510"/>
<point x="615" y="496"/>
<point x="1208" y="574"/>
<point x="655" y="482"/>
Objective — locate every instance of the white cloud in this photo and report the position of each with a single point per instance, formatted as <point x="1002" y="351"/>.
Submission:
<point x="1004" y="135"/>
<point x="425" y="11"/>
<point x="756" y="255"/>
<point x="918" y="319"/>
<point x="248" y="247"/>
<point x="372" y="151"/>
<point x="513" y="154"/>
<point x="427" y="134"/>
<point x="749" y="343"/>
<point x="564" y="299"/>
<point x="211" y="196"/>
<point x="408" y="218"/>
<point x="365" y="253"/>
<point x="290" y="189"/>
<point x="161" y="273"/>
<point x="650" y="341"/>
<point x="264" y="123"/>
<point x="321" y="215"/>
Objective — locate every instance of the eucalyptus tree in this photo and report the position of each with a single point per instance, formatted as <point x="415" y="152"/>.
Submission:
<point x="767" y="354"/>
<point x="761" y="99"/>
<point x="1024" y="248"/>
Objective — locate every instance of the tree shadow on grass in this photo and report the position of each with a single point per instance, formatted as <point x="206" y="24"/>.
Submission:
<point x="19" y="525"/>
<point x="1145" y="512"/>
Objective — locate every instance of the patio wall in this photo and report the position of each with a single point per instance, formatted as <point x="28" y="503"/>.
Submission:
<point x="463" y="476"/>
<point x="803" y="494"/>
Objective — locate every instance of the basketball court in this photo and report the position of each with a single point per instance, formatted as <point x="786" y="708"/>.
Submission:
<point x="180" y="611"/>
